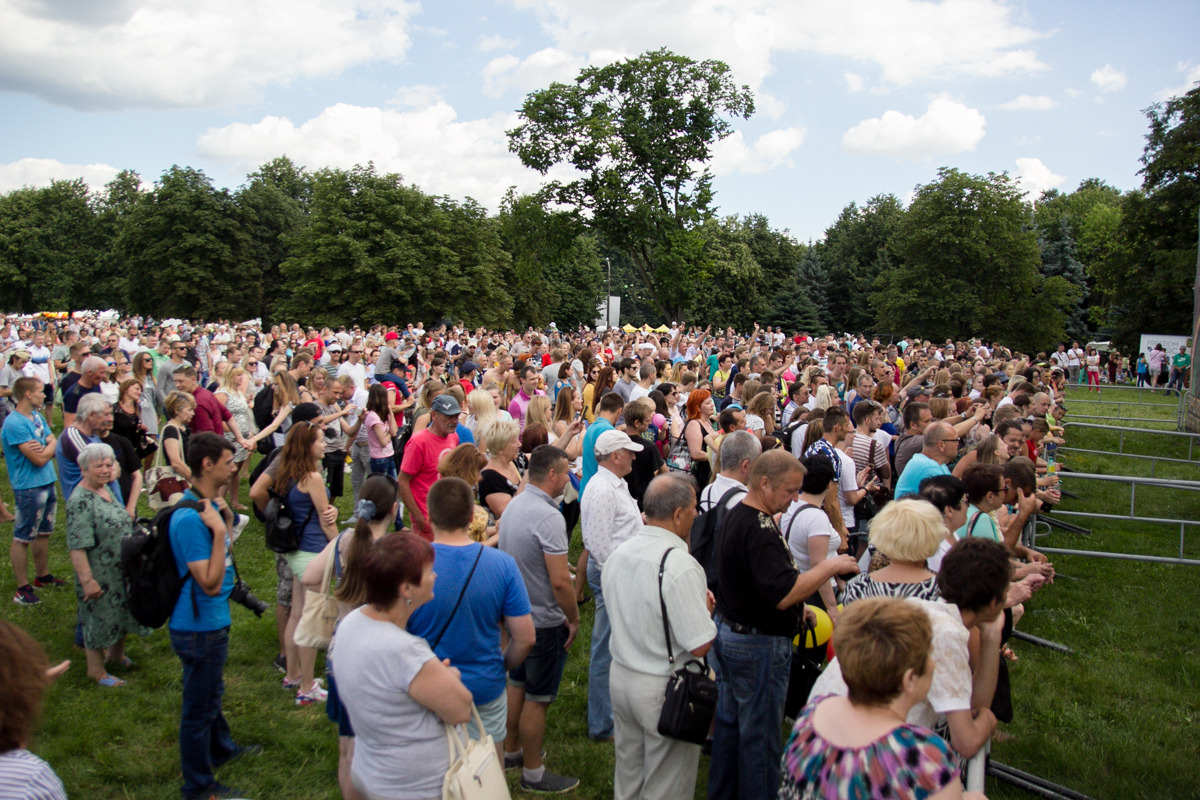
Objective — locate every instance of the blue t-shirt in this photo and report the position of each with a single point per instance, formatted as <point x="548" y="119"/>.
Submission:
<point x="464" y="434"/>
<point x="589" y="450"/>
<point x="191" y="540"/>
<point x="312" y="535"/>
<point x="918" y="468"/>
<point x="472" y="642"/>
<point x="19" y="429"/>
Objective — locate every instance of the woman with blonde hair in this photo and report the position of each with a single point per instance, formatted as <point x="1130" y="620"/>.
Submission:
<point x="499" y="480"/>
<point x="991" y="450"/>
<point x="907" y="532"/>
<point x="430" y="391"/>
<point x="538" y="413"/>
<point x="483" y="411"/>
<point x="232" y="392"/>
<point x="827" y="397"/>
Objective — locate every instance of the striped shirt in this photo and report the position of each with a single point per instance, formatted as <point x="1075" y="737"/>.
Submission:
<point x="861" y="587"/>
<point x="24" y="776"/>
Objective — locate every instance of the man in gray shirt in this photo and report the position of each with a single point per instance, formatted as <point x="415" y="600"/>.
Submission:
<point x="534" y="533"/>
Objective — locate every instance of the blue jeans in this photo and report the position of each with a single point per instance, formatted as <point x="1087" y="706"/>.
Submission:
<point x="1176" y="381"/>
<point x="34" y="509"/>
<point x="752" y="680"/>
<point x="600" y="713"/>
<point x="204" y="739"/>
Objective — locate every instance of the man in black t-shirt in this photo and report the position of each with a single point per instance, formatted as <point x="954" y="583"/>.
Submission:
<point x="647" y="463"/>
<point x="760" y="598"/>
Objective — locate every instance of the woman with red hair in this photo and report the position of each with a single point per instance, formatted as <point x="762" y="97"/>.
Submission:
<point x="691" y="454"/>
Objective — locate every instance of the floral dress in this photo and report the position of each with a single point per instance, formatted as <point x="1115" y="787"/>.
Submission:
<point x="909" y="763"/>
<point x="240" y="409"/>
<point x="97" y="526"/>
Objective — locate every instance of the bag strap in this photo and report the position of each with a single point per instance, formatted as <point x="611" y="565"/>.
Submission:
<point x="329" y="565"/>
<point x="662" y="565"/>
<point x="971" y="524"/>
<point x="725" y="497"/>
<point x="787" y="535"/>
<point x="458" y="602"/>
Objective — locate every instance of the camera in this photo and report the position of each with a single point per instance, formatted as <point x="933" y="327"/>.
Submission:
<point x="242" y="595"/>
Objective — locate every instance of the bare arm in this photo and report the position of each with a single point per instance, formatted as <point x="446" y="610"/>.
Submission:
<point x="564" y="592"/>
<point x="39" y="454"/>
<point x="438" y="687"/>
<point x="174" y="454"/>
<point x="410" y="501"/>
<point x="521" y="638"/>
<point x="818" y="552"/>
<point x="809" y="582"/>
<point x="695" y="441"/>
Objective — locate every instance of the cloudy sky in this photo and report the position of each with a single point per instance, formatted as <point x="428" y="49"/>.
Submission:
<point x="855" y="98"/>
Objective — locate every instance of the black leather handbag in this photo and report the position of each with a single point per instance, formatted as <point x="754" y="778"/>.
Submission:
<point x="691" y="695"/>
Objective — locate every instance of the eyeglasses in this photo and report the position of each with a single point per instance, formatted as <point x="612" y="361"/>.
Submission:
<point x="251" y="364"/>
<point x="356" y="352"/>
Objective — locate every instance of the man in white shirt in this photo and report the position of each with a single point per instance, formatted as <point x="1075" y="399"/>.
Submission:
<point x="646" y="377"/>
<point x="1075" y="358"/>
<point x="354" y="367"/>
<point x="739" y="449"/>
<point x="649" y="765"/>
<point x="609" y="516"/>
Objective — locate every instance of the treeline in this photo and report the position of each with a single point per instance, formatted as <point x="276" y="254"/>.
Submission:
<point x="968" y="257"/>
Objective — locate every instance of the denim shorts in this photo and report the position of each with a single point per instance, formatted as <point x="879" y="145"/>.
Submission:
<point x="384" y="466"/>
<point x="542" y="671"/>
<point x="334" y="709"/>
<point x="35" y="512"/>
<point x="283" y="590"/>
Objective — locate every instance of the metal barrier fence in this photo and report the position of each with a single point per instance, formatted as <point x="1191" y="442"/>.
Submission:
<point x="1132" y="516"/>
<point x="1193" y="455"/>
<point x="1079" y="394"/>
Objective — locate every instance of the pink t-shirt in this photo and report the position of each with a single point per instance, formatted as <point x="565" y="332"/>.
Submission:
<point x="369" y="422"/>
<point x="421" y="456"/>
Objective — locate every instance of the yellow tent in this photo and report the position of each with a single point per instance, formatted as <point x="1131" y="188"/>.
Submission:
<point x="629" y="328"/>
<point x="662" y="329"/>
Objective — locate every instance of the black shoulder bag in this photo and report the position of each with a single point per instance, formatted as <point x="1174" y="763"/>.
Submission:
<point x="433" y="645"/>
<point x="691" y="698"/>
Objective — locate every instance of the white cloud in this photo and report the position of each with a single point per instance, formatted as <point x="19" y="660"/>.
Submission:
<point x="1191" y="76"/>
<point x="429" y="146"/>
<point x="40" y="171"/>
<point x="1035" y="178"/>
<point x="1109" y="79"/>
<point x="854" y="83"/>
<point x="497" y="42"/>
<point x="769" y="152"/>
<point x="180" y="53"/>
<point x="1074" y="93"/>
<point x="907" y="40"/>
<point x="1029" y="103"/>
<point x="540" y="69"/>
<point x="947" y="126"/>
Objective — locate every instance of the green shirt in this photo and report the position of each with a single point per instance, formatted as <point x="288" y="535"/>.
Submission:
<point x="1181" y="361"/>
<point x="984" y="528"/>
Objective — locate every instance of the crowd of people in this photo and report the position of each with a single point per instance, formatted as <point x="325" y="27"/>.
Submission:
<point x="881" y="488"/>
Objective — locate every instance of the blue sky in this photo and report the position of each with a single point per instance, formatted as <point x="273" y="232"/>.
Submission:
<point x="855" y="98"/>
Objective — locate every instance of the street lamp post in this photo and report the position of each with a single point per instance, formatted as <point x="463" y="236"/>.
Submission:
<point x="608" y="297"/>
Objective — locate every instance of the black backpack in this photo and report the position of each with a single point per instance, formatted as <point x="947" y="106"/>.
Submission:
<point x="264" y="415"/>
<point x="257" y="472"/>
<point x="786" y="435"/>
<point x="704" y="535"/>
<point x="152" y="579"/>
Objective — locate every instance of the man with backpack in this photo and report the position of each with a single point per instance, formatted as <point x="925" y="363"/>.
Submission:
<point x="199" y="625"/>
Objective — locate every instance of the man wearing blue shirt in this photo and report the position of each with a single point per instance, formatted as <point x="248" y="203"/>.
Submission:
<point x="608" y="411"/>
<point x="940" y="446"/>
<point x="29" y="453"/>
<point x="199" y="625"/>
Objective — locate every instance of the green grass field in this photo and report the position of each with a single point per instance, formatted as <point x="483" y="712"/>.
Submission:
<point x="1117" y="719"/>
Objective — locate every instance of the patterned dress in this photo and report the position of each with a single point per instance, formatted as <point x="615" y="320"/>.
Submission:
<point x="910" y="762"/>
<point x="240" y="409"/>
<point x="97" y="526"/>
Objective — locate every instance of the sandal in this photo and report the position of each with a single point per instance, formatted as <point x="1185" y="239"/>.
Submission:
<point x="125" y="663"/>
<point x="110" y="681"/>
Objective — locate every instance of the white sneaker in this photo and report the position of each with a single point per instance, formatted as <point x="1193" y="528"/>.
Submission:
<point x="239" y="525"/>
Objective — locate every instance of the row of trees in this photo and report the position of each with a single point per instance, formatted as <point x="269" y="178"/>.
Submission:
<point x="969" y="256"/>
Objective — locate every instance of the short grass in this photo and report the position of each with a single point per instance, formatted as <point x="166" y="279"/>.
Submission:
<point x="1115" y="719"/>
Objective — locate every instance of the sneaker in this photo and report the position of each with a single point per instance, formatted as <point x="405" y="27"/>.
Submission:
<point x="239" y="525"/>
<point x="48" y="580"/>
<point x="316" y="694"/>
<point x="25" y="596"/>
<point x="518" y="760"/>
<point x="551" y="783"/>
<point x="290" y="684"/>
<point x="218" y="790"/>
<point x="280" y="663"/>
<point x="242" y="752"/>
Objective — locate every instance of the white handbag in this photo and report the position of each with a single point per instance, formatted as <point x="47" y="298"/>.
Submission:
<point x="475" y="772"/>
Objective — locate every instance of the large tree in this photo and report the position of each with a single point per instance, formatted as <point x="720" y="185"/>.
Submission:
<point x="376" y="251"/>
<point x="555" y="269"/>
<point x="187" y="253"/>
<point x="275" y="203"/>
<point x="968" y="266"/>
<point x="1059" y="258"/>
<point x="1153" y="278"/>
<point x="856" y="252"/>
<point x="639" y="133"/>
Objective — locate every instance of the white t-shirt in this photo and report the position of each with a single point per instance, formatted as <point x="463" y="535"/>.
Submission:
<point x="356" y="371"/>
<point x="715" y="490"/>
<point x="951" y="688"/>
<point x="400" y="745"/>
<point x="800" y="524"/>
<point x="1074" y="357"/>
<point x="848" y="482"/>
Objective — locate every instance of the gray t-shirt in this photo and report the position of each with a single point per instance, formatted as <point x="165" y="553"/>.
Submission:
<point x="400" y="745"/>
<point x="906" y="448"/>
<point x="8" y="376"/>
<point x="531" y="529"/>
